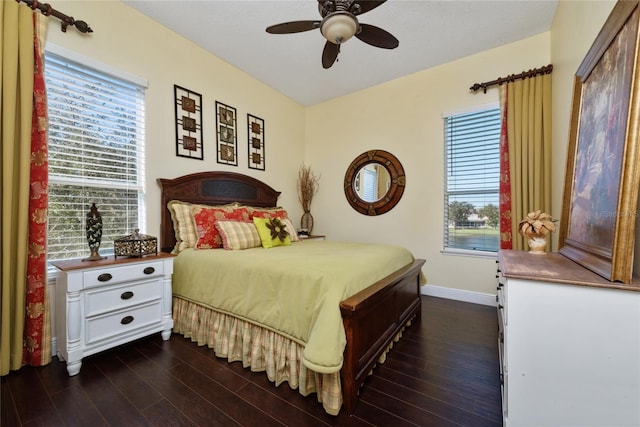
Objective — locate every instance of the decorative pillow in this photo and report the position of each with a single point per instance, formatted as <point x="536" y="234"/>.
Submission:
<point x="272" y="232"/>
<point x="183" y="224"/>
<point x="288" y="225"/>
<point x="183" y="227"/>
<point x="205" y="218"/>
<point x="238" y="234"/>
<point x="267" y="212"/>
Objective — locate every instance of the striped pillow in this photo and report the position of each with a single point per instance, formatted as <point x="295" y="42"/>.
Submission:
<point x="185" y="230"/>
<point x="238" y="234"/>
<point x="288" y="225"/>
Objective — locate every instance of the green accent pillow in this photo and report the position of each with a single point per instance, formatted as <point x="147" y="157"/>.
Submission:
<point x="272" y="232"/>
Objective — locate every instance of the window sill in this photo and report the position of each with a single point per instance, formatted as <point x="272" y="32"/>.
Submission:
<point x="469" y="253"/>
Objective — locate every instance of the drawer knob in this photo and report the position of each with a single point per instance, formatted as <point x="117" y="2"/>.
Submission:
<point x="126" y="320"/>
<point x="104" y="277"/>
<point x="149" y="270"/>
<point x="126" y="295"/>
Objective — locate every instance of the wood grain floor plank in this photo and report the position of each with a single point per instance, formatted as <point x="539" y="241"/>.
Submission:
<point x="9" y="413"/>
<point x="76" y="409"/>
<point x="29" y="396"/>
<point x="203" y="359"/>
<point x="112" y="404"/>
<point x="193" y="406"/>
<point x="280" y="409"/>
<point x="222" y="398"/>
<point x="163" y="413"/>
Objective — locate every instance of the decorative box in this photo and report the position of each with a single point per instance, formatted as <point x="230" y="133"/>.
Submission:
<point x="135" y="245"/>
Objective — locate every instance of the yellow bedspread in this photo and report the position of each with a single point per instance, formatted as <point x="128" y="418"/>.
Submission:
<point x="294" y="290"/>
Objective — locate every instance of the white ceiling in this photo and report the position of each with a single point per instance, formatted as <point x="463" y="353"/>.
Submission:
<point x="431" y="32"/>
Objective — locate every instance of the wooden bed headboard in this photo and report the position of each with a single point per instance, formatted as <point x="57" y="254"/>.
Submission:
<point x="210" y="188"/>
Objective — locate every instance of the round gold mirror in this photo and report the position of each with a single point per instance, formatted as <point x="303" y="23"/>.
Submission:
<point x="374" y="182"/>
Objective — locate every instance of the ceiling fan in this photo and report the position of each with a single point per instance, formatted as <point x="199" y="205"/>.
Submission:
<point x="339" y="23"/>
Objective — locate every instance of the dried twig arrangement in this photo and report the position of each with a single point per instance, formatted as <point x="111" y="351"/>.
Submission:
<point x="307" y="186"/>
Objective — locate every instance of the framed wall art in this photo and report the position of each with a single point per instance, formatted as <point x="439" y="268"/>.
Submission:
<point x="255" y="134"/>
<point x="188" y="109"/>
<point x="603" y="161"/>
<point x="226" y="127"/>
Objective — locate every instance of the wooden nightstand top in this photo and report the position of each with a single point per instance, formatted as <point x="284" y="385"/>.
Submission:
<point x="77" y="263"/>
<point x="313" y="236"/>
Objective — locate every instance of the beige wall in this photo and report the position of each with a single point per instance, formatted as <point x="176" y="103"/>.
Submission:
<point x="127" y="40"/>
<point x="404" y="117"/>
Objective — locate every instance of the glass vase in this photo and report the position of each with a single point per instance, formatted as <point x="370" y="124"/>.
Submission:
<point x="306" y="222"/>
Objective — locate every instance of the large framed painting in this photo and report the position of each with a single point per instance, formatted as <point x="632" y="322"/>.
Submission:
<point x="603" y="159"/>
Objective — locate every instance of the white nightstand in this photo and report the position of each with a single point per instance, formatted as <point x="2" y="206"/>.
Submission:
<point x="102" y="304"/>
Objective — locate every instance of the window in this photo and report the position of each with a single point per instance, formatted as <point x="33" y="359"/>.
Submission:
<point x="472" y="178"/>
<point x="96" y="155"/>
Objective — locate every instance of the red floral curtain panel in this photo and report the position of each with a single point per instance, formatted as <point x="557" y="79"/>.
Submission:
<point x="505" y="176"/>
<point x="37" y="331"/>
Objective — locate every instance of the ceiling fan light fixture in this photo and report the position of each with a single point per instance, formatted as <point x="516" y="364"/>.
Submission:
<point x="338" y="27"/>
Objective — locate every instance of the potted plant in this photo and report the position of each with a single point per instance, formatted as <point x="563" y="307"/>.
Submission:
<point x="536" y="228"/>
<point x="307" y="188"/>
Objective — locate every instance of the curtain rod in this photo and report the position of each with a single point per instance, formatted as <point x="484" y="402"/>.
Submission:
<point x="513" y="77"/>
<point x="47" y="10"/>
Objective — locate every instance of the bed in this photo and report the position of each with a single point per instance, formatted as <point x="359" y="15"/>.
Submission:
<point x="370" y="320"/>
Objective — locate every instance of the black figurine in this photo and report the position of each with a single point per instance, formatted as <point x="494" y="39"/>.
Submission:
<point x="94" y="233"/>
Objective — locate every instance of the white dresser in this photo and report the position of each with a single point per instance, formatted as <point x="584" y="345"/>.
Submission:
<point x="569" y="344"/>
<point x="102" y="304"/>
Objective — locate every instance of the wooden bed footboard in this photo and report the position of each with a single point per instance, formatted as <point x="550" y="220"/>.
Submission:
<point x="372" y="318"/>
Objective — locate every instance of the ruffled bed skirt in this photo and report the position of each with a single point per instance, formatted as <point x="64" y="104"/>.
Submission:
<point x="259" y="349"/>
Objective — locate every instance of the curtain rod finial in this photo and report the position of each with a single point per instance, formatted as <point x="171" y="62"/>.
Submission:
<point x="83" y="27"/>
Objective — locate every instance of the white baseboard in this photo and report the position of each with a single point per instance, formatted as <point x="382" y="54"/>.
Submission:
<point x="459" y="295"/>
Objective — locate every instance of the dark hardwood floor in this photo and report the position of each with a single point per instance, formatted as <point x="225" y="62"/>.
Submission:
<point x="443" y="372"/>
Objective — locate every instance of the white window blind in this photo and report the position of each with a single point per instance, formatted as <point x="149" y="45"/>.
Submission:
<point x="472" y="178"/>
<point x="96" y="155"/>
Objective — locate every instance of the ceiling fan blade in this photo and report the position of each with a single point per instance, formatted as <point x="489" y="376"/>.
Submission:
<point x="330" y="54"/>
<point x="377" y="37"/>
<point x="362" y="6"/>
<point x="293" y="27"/>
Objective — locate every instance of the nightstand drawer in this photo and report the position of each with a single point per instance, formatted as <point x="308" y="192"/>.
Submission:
<point x="101" y="300"/>
<point x="115" y="324"/>
<point x="122" y="273"/>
